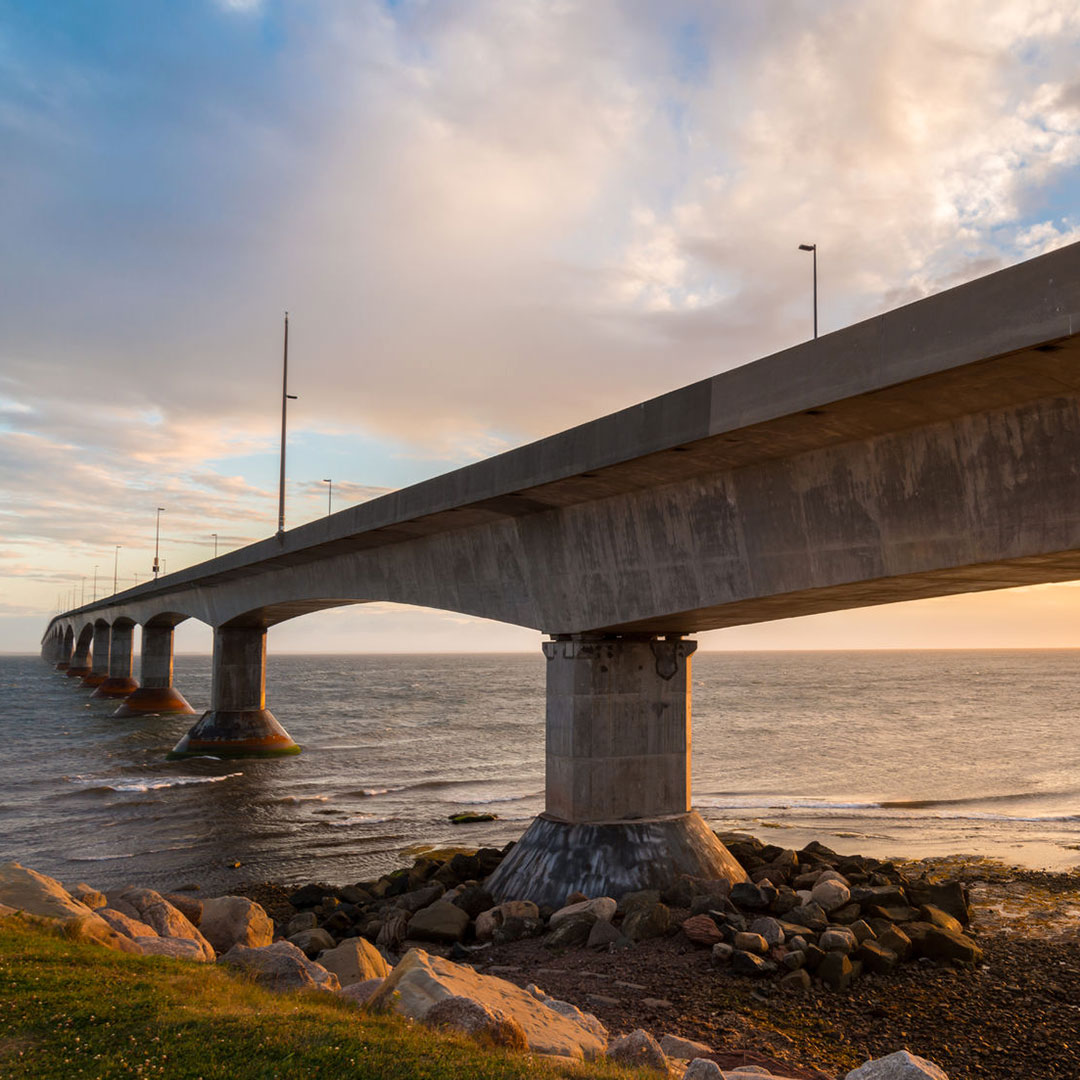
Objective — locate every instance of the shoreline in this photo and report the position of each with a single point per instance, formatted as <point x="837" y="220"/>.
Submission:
<point x="1012" y="1016"/>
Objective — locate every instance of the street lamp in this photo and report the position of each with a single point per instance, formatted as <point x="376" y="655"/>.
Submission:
<point x="115" y="565"/>
<point x="813" y="248"/>
<point x="95" y="584"/>
<point x="155" y="569"/>
<point x="329" y="497"/>
<point x="286" y="397"/>
<point x="82" y="595"/>
<point x="214" y="535"/>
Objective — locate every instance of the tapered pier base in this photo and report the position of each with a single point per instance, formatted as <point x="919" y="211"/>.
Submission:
<point x="150" y="700"/>
<point x="236" y="734"/>
<point x="555" y="858"/>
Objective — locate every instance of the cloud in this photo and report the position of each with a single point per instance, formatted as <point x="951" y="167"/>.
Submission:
<point x="489" y="220"/>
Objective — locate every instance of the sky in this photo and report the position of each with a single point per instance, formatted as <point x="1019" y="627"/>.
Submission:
<point x="489" y="220"/>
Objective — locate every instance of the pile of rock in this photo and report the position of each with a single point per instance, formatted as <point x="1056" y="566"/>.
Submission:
<point x="814" y="914"/>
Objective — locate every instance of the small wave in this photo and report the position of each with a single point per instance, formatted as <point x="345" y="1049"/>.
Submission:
<point x="295" y="800"/>
<point x="370" y="793"/>
<point x="434" y="785"/>
<point x="99" y="858"/>
<point x="359" y="819"/>
<point x="504" y="799"/>
<point x="150" y="784"/>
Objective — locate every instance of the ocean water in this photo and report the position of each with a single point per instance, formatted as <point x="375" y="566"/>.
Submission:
<point x="884" y="753"/>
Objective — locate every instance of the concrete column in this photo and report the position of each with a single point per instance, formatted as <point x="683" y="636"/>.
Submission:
<point x="65" y="646"/>
<point x="120" y="682"/>
<point x="617" y="810"/>
<point x="80" y="658"/>
<point x="238" y="723"/>
<point x="157" y="693"/>
<point x="99" y="665"/>
<point x="618" y="729"/>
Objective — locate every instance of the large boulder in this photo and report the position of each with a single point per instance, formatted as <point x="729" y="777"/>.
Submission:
<point x="603" y="907"/>
<point x="441" y="922"/>
<point x="420" y="981"/>
<point x="355" y="960"/>
<point x="177" y="947"/>
<point x="281" y="966"/>
<point x="639" y="1050"/>
<point x="481" y="1021"/>
<point x="235" y="920"/>
<point x="899" y="1066"/>
<point x="41" y="897"/>
<point x="167" y="921"/>
<point x="489" y="921"/>
<point x="124" y="924"/>
<point x="647" y="921"/>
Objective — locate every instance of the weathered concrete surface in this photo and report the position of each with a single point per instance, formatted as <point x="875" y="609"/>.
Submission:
<point x="238" y="723"/>
<point x="120" y="682"/>
<point x="618" y="729"/>
<point x="99" y="662"/>
<point x="157" y="693"/>
<point x="554" y="859"/>
<point x="930" y="450"/>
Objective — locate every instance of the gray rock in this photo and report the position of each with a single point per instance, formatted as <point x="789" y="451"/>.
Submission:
<point x="838" y="939"/>
<point x="810" y="915"/>
<point x="310" y="942"/>
<point x="177" y="948"/>
<point x="630" y="901"/>
<point x="441" y="921"/>
<point x="835" y="971"/>
<point x="703" y="1069"/>
<point x="895" y="940"/>
<point x="602" y="934"/>
<point x="745" y="963"/>
<point x="751" y="897"/>
<point x="876" y="957"/>
<point x="281" y="966"/>
<point x="355" y="960"/>
<point x="899" y="1066"/>
<point x="360" y="992"/>
<point x="830" y="894"/>
<point x="479" y="1020"/>
<point x="603" y="907"/>
<point x="722" y="952"/>
<point x="302" y="920"/>
<point x="863" y="931"/>
<point x="188" y="906"/>
<point x="950" y="897"/>
<point x="677" y="1047"/>
<point x="638" y="1050"/>
<point x="572" y="931"/>
<point x="645" y="922"/>
<point x="753" y="943"/>
<point x="796" y="980"/>
<point x="235" y="920"/>
<point x="769" y="928"/>
<point x="794" y="960"/>
<point x="419" y="898"/>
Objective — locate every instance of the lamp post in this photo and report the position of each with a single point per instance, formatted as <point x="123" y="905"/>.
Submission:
<point x="82" y="594"/>
<point x="214" y="535"/>
<point x="286" y="397"/>
<point x="95" y="584"/>
<point x="157" y="542"/>
<point x="329" y="497"/>
<point x="115" y="566"/>
<point x="813" y="248"/>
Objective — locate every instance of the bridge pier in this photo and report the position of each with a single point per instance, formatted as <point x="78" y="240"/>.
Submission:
<point x="617" y="811"/>
<point x="238" y="723"/>
<point x="99" y="663"/>
<point x="64" y="649"/>
<point x="120" y="682"/>
<point x="157" y="693"/>
<point x="80" y="658"/>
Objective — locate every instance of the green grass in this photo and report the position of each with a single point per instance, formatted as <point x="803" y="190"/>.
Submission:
<point x="70" y="1009"/>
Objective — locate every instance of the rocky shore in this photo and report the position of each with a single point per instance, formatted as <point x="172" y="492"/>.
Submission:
<point x="817" y="967"/>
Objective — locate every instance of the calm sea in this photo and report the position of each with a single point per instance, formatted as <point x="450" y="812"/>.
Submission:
<point x="886" y="753"/>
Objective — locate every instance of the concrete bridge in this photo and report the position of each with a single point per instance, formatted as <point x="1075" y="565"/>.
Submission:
<point x="931" y="450"/>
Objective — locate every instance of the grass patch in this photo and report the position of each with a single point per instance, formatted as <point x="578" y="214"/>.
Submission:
<point x="69" y="1009"/>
